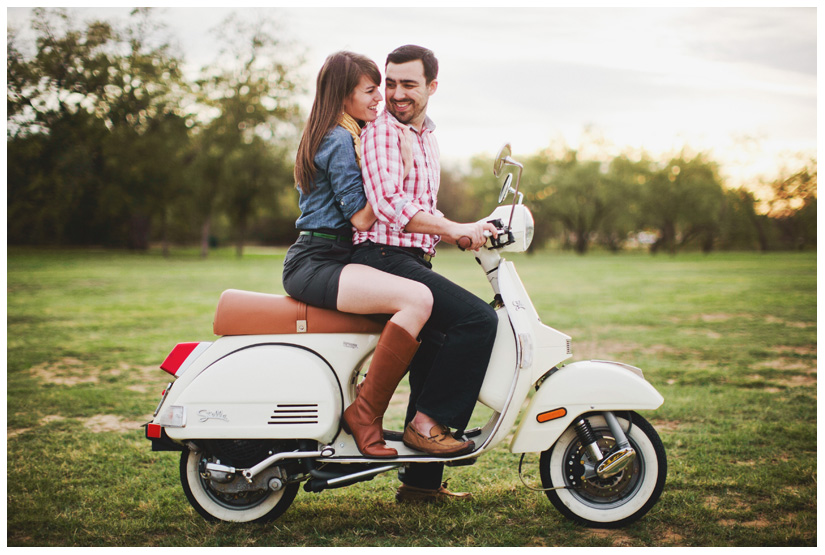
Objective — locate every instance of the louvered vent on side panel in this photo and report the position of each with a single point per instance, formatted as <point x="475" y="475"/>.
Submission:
<point x="294" y="414"/>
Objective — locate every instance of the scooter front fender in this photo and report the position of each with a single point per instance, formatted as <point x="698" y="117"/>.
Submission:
<point x="578" y="388"/>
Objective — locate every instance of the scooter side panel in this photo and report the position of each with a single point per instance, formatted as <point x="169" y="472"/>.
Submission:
<point x="502" y="366"/>
<point x="579" y="388"/>
<point x="533" y="348"/>
<point x="263" y="391"/>
<point x="547" y="347"/>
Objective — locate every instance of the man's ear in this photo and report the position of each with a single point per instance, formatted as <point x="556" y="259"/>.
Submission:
<point x="432" y="86"/>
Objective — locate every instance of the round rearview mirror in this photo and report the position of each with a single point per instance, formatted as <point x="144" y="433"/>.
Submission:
<point x="503" y="154"/>
<point x="505" y="188"/>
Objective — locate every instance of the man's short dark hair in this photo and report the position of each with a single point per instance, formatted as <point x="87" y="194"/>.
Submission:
<point x="411" y="52"/>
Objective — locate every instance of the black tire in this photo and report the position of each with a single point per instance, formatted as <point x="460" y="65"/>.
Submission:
<point x="216" y="506"/>
<point x="613" y="502"/>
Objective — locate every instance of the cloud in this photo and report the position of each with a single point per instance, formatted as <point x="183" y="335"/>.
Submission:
<point x="647" y="78"/>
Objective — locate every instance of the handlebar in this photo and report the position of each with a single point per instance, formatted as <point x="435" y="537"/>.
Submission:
<point x="465" y="242"/>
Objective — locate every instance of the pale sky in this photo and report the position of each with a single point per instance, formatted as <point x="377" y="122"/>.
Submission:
<point x="738" y="83"/>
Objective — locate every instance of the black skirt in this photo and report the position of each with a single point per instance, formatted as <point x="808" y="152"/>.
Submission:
<point x="312" y="269"/>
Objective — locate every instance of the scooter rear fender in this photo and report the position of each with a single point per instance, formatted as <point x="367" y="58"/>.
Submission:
<point x="257" y="390"/>
<point x="576" y="389"/>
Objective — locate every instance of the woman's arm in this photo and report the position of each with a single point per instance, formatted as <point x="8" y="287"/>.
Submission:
<point x="364" y="218"/>
<point x="346" y="181"/>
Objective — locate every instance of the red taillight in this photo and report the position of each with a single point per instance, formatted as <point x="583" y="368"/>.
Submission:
<point x="153" y="431"/>
<point x="178" y="356"/>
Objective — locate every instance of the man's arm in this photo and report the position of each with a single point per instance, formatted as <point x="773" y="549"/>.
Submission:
<point x="383" y="173"/>
<point x="450" y="231"/>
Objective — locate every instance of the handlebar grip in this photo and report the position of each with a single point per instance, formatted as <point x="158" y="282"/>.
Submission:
<point x="464" y="243"/>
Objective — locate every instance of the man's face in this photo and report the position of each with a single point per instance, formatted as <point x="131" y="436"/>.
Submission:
<point x="407" y="92"/>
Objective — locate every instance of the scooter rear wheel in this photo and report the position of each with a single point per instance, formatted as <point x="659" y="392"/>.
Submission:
<point x="262" y="506"/>
<point x="611" y="502"/>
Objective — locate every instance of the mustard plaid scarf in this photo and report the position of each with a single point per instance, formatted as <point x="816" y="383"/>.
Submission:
<point x="349" y="123"/>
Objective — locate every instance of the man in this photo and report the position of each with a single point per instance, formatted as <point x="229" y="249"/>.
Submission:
<point x="447" y="372"/>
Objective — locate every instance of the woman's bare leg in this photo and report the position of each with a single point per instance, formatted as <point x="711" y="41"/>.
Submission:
<point x="365" y="290"/>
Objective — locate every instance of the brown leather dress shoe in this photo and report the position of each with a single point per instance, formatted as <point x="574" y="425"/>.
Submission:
<point x="440" y="442"/>
<point x="412" y="494"/>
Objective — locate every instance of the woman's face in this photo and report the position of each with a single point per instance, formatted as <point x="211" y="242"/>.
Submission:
<point x="362" y="103"/>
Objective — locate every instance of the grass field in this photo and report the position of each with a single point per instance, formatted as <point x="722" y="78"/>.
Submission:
<point x="728" y="339"/>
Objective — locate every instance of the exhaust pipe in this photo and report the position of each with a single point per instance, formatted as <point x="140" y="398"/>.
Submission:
<point x="327" y="480"/>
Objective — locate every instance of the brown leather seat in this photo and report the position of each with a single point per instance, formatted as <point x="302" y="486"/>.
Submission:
<point x="249" y="313"/>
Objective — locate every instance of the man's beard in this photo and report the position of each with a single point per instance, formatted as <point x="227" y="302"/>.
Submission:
<point x="408" y="116"/>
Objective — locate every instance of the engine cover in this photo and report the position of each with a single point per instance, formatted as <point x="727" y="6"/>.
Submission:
<point x="268" y="391"/>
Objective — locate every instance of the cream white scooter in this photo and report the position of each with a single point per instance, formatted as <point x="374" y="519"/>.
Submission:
<point x="258" y="411"/>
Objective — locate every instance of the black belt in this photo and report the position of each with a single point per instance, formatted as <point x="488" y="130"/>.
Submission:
<point x="342" y="238"/>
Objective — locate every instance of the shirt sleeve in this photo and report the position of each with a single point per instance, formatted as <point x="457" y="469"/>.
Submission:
<point x="344" y="173"/>
<point x="383" y="173"/>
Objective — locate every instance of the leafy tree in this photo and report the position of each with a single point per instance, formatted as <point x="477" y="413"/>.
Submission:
<point x="580" y="198"/>
<point x="54" y="140"/>
<point x="684" y="201"/>
<point x="538" y="188"/>
<point x="241" y="151"/>
<point x="462" y="197"/>
<point x="94" y="116"/>
<point x="625" y="193"/>
<point x="792" y="206"/>
<point x="146" y="151"/>
<point x="740" y="225"/>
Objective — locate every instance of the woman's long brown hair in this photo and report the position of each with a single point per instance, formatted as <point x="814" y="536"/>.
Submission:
<point x="338" y="77"/>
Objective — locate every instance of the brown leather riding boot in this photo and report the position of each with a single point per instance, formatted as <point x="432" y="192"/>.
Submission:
<point x="365" y="416"/>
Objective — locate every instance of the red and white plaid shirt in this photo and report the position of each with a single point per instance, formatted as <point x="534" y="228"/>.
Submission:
<point x="396" y="200"/>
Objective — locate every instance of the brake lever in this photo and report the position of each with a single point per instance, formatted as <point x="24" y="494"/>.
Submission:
<point x="496" y="242"/>
<point x="504" y="238"/>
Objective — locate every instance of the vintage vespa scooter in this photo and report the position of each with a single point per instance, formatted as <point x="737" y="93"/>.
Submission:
<point x="258" y="411"/>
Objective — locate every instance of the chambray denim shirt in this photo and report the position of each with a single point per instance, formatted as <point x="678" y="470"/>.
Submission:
<point x="338" y="191"/>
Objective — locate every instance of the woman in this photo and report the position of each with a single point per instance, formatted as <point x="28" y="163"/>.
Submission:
<point x="332" y="200"/>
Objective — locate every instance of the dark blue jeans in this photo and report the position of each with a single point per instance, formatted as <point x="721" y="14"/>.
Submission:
<point x="448" y="369"/>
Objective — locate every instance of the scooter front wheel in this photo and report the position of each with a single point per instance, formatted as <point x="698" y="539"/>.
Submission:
<point x="605" y="502"/>
<point x="214" y="505"/>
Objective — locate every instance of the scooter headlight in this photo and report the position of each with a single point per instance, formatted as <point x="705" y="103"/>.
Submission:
<point x="529" y="229"/>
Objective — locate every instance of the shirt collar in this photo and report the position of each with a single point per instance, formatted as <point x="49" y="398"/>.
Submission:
<point x="429" y="125"/>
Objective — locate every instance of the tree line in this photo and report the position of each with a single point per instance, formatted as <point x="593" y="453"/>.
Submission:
<point x="665" y="206"/>
<point x="110" y="143"/>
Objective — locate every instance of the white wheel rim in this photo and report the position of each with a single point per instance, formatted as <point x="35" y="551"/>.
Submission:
<point x="608" y="513"/>
<point x="220" y="511"/>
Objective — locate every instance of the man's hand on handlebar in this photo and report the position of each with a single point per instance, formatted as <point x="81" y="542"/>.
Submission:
<point x="473" y="236"/>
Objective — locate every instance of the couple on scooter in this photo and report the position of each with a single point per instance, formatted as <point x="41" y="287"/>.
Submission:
<point x="379" y="173"/>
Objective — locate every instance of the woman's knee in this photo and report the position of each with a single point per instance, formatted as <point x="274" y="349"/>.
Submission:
<point x="421" y="299"/>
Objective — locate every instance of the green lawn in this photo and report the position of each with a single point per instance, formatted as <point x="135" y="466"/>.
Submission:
<point x="728" y="339"/>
